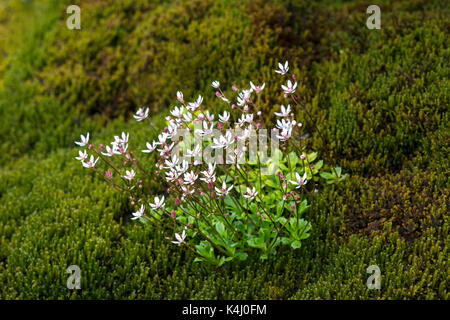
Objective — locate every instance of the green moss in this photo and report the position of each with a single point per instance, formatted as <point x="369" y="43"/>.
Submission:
<point x="380" y="98"/>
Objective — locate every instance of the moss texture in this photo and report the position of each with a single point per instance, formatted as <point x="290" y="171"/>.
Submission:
<point x="380" y="97"/>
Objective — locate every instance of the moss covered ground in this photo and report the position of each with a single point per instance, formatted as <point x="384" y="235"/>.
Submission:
<point x="380" y="97"/>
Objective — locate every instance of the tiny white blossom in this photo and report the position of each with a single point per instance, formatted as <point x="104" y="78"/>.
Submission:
<point x="289" y="87"/>
<point x="123" y="139"/>
<point x="300" y="180"/>
<point x="190" y="177"/>
<point x="141" y="114"/>
<point x="223" y="142"/>
<point x="177" y="112"/>
<point x="138" y="214"/>
<point x="284" y="124"/>
<point x="223" y="191"/>
<point x="196" y="104"/>
<point x="180" y="96"/>
<point x="180" y="238"/>
<point x="187" y="117"/>
<point x="158" y="203"/>
<point x="91" y="163"/>
<point x="150" y="147"/>
<point x="283" y="69"/>
<point x="170" y="164"/>
<point x="225" y="117"/>
<point x="109" y="151"/>
<point x="206" y="129"/>
<point x="172" y="175"/>
<point x="285" y="134"/>
<point x="215" y="84"/>
<point x="196" y="152"/>
<point x="182" y="167"/>
<point x="284" y="111"/>
<point x="84" y="140"/>
<point x="258" y="89"/>
<point x="251" y="193"/>
<point x="129" y="174"/>
<point x="210" y="175"/>
<point x="83" y="155"/>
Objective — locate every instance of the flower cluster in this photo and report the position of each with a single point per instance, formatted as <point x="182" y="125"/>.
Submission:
<point x="221" y="207"/>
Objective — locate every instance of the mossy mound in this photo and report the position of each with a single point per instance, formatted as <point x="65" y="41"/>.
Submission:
<point x="379" y="97"/>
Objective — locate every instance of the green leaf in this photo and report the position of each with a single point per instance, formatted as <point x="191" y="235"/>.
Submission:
<point x="296" y="244"/>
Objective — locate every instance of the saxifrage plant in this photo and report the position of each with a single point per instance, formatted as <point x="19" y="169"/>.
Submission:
<point x="222" y="208"/>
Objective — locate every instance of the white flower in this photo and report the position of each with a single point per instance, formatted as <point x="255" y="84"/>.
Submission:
<point x="195" y="105"/>
<point x="196" y="152"/>
<point x="150" y="147"/>
<point x="246" y="133"/>
<point x="284" y="124"/>
<point x="190" y="177"/>
<point x="129" y="174"/>
<point x="289" y="87"/>
<point x="182" y="167"/>
<point x="141" y="114"/>
<point x="285" y="134"/>
<point x="244" y="97"/>
<point x="83" y="155"/>
<point x="180" y="96"/>
<point x="177" y="112"/>
<point x="119" y="148"/>
<point x="91" y="163"/>
<point x="225" y="117"/>
<point x="223" y="142"/>
<point x="300" y="180"/>
<point x="187" y="191"/>
<point x="283" y="69"/>
<point x="84" y="140"/>
<point x="165" y="149"/>
<point x="284" y="111"/>
<point x="172" y="175"/>
<point x="251" y="193"/>
<point x="210" y="175"/>
<point x="109" y="151"/>
<point x="209" y="117"/>
<point x="171" y="130"/>
<point x="245" y="118"/>
<point x="180" y="239"/>
<point x="187" y="117"/>
<point x="258" y="89"/>
<point x="123" y="139"/>
<point x="162" y="138"/>
<point x="206" y="129"/>
<point x="215" y="84"/>
<point x="224" y="191"/>
<point x="138" y="214"/>
<point x="173" y="163"/>
<point x="158" y="203"/>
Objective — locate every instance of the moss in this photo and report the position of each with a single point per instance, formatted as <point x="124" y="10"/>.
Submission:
<point x="380" y="98"/>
